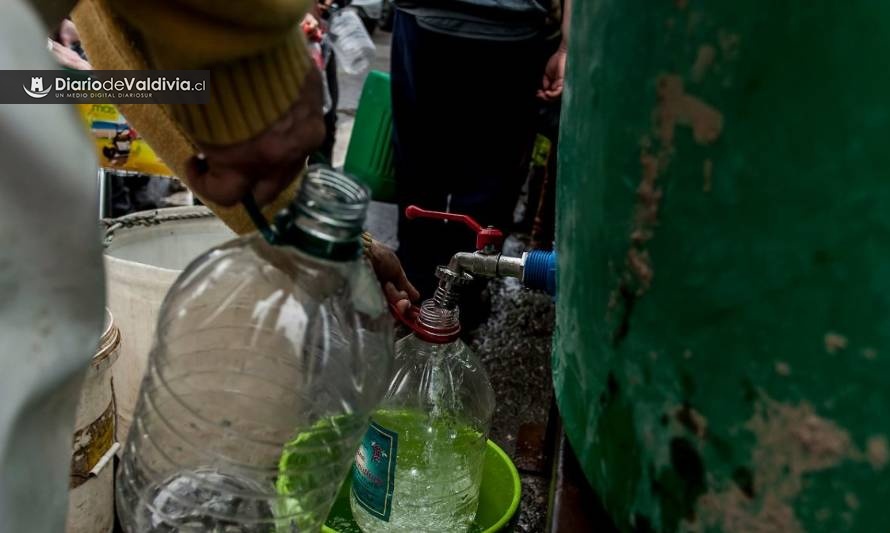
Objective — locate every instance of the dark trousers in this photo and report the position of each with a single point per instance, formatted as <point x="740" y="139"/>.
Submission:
<point x="463" y="123"/>
<point x="330" y="118"/>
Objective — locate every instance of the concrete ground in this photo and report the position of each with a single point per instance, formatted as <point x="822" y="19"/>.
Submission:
<point x="514" y="343"/>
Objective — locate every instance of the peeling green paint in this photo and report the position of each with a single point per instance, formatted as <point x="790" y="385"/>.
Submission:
<point x="721" y="354"/>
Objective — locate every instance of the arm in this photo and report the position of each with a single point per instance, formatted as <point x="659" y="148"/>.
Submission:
<point x="265" y="114"/>
<point x="254" y="50"/>
<point x="396" y="287"/>
<point x="554" y="72"/>
<point x="266" y="111"/>
<point x="566" y="22"/>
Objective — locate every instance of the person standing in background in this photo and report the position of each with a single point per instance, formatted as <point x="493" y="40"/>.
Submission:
<point x="315" y="27"/>
<point x="465" y="75"/>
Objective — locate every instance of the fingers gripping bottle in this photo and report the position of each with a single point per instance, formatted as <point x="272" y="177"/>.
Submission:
<point x="267" y="363"/>
<point x="419" y="466"/>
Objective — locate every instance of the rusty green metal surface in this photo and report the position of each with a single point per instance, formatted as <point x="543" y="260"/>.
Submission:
<point x="722" y="353"/>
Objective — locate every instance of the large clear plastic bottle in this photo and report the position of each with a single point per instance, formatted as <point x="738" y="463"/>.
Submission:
<point x="419" y="467"/>
<point x="353" y="46"/>
<point x="267" y="363"/>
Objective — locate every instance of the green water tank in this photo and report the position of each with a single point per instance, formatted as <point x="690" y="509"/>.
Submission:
<point x="722" y="354"/>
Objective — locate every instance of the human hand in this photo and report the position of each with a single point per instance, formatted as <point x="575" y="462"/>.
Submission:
<point x="554" y="76"/>
<point x="311" y="28"/>
<point x="68" y="33"/>
<point x="398" y="290"/>
<point x="67" y="57"/>
<point x="267" y="163"/>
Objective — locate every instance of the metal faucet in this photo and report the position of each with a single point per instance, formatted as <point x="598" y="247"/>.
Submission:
<point x="535" y="269"/>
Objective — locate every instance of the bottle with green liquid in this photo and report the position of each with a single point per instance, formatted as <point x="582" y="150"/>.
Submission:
<point x="419" y="466"/>
<point x="272" y="350"/>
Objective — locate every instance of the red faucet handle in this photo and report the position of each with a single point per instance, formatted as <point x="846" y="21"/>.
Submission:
<point x="485" y="237"/>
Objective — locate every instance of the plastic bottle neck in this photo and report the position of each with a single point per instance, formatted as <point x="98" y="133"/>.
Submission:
<point x="438" y="323"/>
<point x="326" y="218"/>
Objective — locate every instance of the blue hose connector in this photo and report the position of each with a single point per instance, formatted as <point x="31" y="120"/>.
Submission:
<point x="539" y="272"/>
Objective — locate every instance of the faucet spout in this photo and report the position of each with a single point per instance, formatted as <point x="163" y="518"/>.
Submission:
<point x="487" y="265"/>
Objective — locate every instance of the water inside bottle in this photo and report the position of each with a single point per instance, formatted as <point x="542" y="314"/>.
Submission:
<point x="438" y="473"/>
<point x="311" y="462"/>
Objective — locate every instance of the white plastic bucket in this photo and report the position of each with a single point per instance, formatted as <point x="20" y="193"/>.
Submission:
<point x="91" y="485"/>
<point x="144" y="254"/>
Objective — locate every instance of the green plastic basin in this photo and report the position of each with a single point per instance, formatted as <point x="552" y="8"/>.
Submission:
<point x="498" y="497"/>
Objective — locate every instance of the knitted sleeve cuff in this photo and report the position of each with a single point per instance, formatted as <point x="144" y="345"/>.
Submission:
<point x="248" y="94"/>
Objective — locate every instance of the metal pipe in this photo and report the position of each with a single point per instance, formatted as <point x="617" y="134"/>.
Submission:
<point x="487" y="265"/>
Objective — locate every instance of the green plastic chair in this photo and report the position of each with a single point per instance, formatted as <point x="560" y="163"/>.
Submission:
<point x="369" y="157"/>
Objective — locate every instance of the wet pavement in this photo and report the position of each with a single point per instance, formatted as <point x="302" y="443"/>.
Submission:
<point x="514" y="344"/>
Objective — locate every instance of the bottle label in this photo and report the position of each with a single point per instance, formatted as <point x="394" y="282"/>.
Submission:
<point x="374" y="469"/>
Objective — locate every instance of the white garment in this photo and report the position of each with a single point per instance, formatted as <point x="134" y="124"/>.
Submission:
<point x="51" y="286"/>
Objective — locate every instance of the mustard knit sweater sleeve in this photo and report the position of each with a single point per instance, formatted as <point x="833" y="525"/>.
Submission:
<point x="254" y="50"/>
